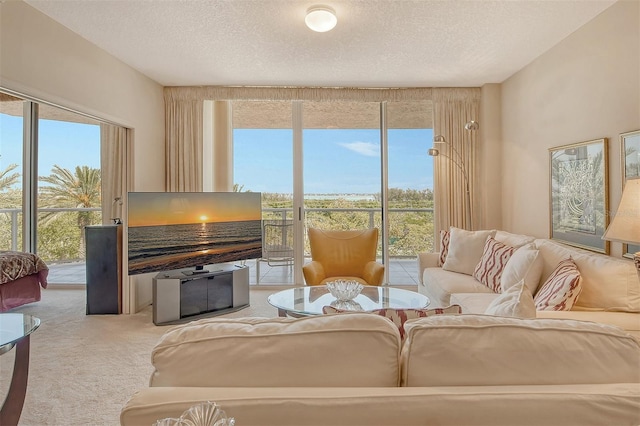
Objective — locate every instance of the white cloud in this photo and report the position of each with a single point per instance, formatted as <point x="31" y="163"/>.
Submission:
<point x="363" y="148"/>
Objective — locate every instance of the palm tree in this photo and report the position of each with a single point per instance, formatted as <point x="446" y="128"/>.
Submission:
<point x="8" y="180"/>
<point x="79" y="190"/>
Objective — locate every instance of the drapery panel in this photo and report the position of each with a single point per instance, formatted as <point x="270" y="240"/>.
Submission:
<point x="452" y="109"/>
<point x="183" y="146"/>
<point x="114" y="163"/>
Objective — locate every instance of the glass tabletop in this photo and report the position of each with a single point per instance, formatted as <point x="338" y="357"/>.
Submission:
<point x="14" y="327"/>
<point x="310" y="300"/>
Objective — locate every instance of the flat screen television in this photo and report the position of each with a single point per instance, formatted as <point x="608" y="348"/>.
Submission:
<point x="176" y="230"/>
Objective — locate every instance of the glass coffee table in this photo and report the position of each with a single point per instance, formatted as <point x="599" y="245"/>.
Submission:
<point x="309" y="300"/>
<point x="15" y="331"/>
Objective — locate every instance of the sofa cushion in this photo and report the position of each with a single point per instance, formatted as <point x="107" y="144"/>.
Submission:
<point x="489" y="350"/>
<point x="439" y="284"/>
<point x="561" y="290"/>
<point x="628" y="321"/>
<point x="465" y="249"/>
<point x="279" y="352"/>
<point x="567" y="405"/>
<point x="608" y="284"/>
<point x="399" y="316"/>
<point x="525" y="263"/>
<point x="516" y="302"/>
<point x="473" y="303"/>
<point x="513" y="240"/>
<point x="494" y="258"/>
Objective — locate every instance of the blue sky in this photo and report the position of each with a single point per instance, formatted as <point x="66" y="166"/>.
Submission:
<point x="65" y="144"/>
<point x="335" y="160"/>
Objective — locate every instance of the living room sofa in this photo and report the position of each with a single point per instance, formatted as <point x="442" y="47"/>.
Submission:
<point x="354" y="369"/>
<point x="610" y="287"/>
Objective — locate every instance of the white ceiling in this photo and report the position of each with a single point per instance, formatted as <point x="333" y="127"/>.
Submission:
<point x="377" y="43"/>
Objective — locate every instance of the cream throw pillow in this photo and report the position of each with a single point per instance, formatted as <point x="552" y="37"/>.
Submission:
<point x="465" y="249"/>
<point x="525" y="264"/>
<point x="561" y="290"/>
<point x="516" y="302"/>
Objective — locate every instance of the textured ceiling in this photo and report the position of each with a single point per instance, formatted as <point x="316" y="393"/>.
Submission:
<point x="377" y="43"/>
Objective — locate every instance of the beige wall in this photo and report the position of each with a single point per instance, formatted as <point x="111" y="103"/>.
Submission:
<point x="586" y="87"/>
<point x="490" y="158"/>
<point x="43" y="59"/>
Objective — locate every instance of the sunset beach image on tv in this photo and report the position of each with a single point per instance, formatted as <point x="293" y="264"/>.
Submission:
<point x="176" y="230"/>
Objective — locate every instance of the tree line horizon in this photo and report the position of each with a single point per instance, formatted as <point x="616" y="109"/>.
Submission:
<point x="61" y="234"/>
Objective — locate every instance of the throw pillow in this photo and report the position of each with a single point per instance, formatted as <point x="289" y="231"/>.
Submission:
<point x="444" y="246"/>
<point x="526" y="263"/>
<point x="513" y="240"/>
<point x="465" y="249"/>
<point x="400" y="316"/>
<point x="516" y="302"/>
<point x="494" y="258"/>
<point x="561" y="290"/>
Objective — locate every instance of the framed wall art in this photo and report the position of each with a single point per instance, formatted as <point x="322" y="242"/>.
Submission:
<point x="630" y="149"/>
<point x="579" y="195"/>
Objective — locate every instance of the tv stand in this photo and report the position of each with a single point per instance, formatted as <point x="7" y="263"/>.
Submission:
<point x="186" y="295"/>
<point x="199" y="272"/>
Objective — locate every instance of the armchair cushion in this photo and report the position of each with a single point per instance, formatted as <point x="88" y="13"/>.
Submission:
<point x="313" y="273"/>
<point x="349" y="254"/>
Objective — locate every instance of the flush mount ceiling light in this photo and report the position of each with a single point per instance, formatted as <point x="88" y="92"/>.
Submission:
<point x="321" y="18"/>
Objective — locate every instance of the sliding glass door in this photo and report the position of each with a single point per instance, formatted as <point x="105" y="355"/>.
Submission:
<point x="50" y="177"/>
<point x="338" y="165"/>
<point x="341" y="167"/>
<point x="263" y="162"/>
<point x="69" y="187"/>
<point x="11" y="153"/>
<point x="409" y="215"/>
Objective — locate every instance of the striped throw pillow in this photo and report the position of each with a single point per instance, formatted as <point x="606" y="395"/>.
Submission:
<point x="400" y="316"/>
<point x="494" y="258"/>
<point x="561" y="290"/>
<point x="444" y="246"/>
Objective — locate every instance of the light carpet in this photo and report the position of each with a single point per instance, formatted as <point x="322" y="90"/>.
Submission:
<point x="84" y="367"/>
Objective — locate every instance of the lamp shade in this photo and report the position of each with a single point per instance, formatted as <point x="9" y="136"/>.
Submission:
<point x="625" y="226"/>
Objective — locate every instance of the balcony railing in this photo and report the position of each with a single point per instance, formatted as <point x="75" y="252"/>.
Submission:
<point x="411" y="229"/>
<point x="406" y="237"/>
<point x="11" y="224"/>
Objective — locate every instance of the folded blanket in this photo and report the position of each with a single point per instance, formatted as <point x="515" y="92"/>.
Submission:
<point x="16" y="264"/>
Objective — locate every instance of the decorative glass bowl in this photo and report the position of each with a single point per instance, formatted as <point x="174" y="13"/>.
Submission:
<point x="204" y="414"/>
<point x="347" y="305"/>
<point x="344" y="290"/>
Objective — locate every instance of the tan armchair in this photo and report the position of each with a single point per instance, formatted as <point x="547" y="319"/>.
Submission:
<point x="343" y="255"/>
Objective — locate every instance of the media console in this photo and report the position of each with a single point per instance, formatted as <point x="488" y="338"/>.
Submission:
<point x="181" y="295"/>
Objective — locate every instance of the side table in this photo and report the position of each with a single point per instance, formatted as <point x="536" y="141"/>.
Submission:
<point x="15" y="330"/>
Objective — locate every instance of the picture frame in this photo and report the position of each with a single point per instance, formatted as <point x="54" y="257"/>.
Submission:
<point x="579" y="194"/>
<point x="630" y="156"/>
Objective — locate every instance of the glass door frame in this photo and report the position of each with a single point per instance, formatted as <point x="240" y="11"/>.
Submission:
<point x="298" y="190"/>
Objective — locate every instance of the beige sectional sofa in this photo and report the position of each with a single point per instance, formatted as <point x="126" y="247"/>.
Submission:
<point x="610" y="287"/>
<point x="354" y="369"/>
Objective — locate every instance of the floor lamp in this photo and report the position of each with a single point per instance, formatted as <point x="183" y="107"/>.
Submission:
<point x="458" y="160"/>
<point x="625" y="226"/>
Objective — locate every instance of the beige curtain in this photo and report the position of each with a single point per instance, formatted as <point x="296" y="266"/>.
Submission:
<point x="114" y="163"/>
<point x="452" y="109"/>
<point x="183" y="143"/>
